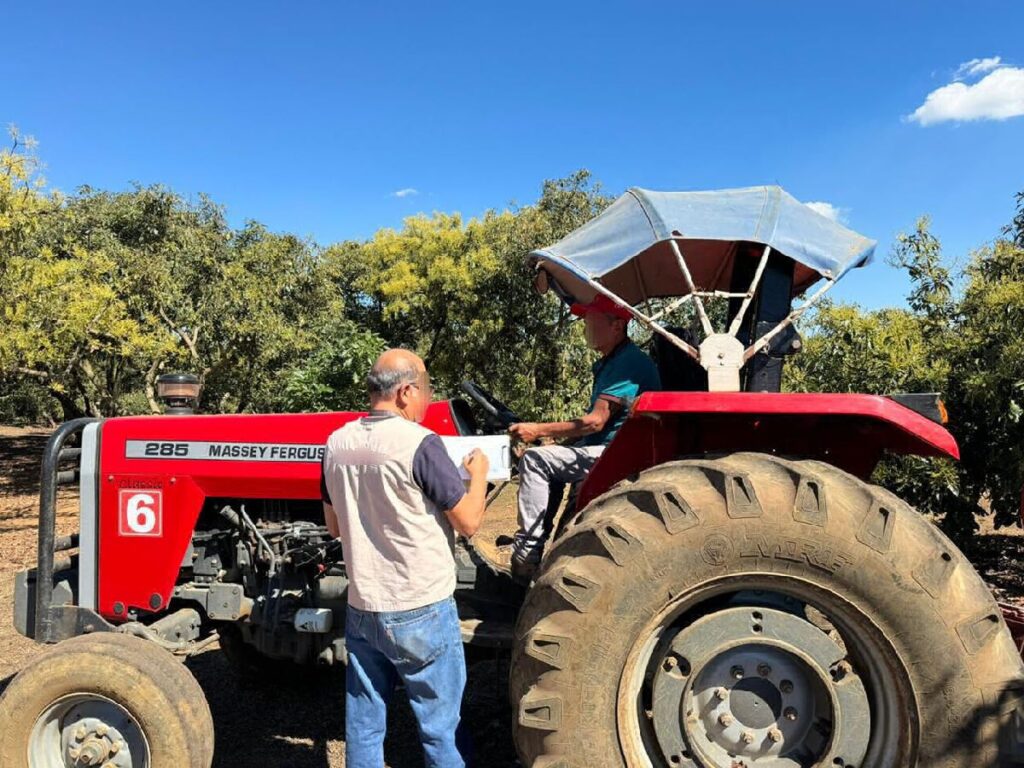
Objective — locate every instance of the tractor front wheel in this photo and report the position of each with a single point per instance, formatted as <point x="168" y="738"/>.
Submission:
<point x="753" y="611"/>
<point x="105" y="700"/>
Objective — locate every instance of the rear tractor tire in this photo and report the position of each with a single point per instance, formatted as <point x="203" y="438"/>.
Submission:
<point x="107" y="700"/>
<point x="753" y="611"/>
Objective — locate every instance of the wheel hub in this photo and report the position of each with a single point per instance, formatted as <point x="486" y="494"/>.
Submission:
<point x="755" y="702"/>
<point x="87" y="731"/>
<point x="89" y="740"/>
<point x="758" y="687"/>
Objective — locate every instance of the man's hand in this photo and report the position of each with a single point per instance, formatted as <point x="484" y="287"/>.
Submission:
<point x="527" y="431"/>
<point x="465" y="516"/>
<point x="532" y="431"/>
<point x="476" y="463"/>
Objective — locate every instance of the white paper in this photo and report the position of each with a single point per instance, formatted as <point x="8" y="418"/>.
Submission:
<point x="497" y="448"/>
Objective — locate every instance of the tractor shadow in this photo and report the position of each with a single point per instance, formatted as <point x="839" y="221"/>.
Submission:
<point x="300" y="723"/>
<point x="21" y="451"/>
<point x="20" y="455"/>
<point x="998" y="555"/>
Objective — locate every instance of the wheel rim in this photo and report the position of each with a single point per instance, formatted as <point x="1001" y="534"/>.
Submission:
<point x="781" y="677"/>
<point x="84" y="730"/>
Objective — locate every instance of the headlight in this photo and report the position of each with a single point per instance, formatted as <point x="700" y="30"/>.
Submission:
<point x="179" y="392"/>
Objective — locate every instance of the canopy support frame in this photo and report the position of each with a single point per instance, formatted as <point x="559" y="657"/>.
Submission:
<point x="671" y="307"/>
<point x="791" y="318"/>
<point x="737" y="321"/>
<point x="705" y="322"/>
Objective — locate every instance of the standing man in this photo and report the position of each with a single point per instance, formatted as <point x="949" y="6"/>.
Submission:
<point x="622" y="373"/>
<point x="393" y="496"/>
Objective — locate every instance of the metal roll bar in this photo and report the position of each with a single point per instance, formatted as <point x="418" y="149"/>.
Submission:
<point x="52" y="622"/>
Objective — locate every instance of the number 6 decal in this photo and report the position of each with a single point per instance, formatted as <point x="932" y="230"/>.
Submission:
<point x="141" y="513"/>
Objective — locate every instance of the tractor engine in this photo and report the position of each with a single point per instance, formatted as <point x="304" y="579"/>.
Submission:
<point x="269" y="575"/>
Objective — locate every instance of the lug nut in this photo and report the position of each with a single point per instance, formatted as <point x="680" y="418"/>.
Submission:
<point x="764" y="670"/>
<point x="81" y="733"/>
<point x="775" y="735"/>
<point x="90" y="753"/>
<point x="721" y="693"/>
<point x="790" y="713"/>
<point x="737" y="672"/>
<point x="116" y="747"/>
<point x="747" y="737"/>
<point x="725" y="720"/>
<point x="786" y="686"/>
<point x="101" y="729"/>
<point x="74" y="752"/>
<point x="670" y="663"/>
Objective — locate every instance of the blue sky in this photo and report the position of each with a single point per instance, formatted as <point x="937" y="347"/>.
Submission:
<point x="310" y="117"/>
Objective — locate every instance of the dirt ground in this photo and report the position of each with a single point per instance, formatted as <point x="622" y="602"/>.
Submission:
<point x="301" y="725"/>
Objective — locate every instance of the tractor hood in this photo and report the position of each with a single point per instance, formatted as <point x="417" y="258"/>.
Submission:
<point x="627" y="248"/>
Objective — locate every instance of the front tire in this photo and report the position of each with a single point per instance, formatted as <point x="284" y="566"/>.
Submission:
<point x="756" y="611"/>
<point x="107" y="698"/>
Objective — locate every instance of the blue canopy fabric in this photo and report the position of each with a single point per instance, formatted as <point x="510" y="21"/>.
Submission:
<point x="627" y="247"/>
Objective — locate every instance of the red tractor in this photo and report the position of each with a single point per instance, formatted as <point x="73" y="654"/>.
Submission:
<point x="728" y="589"/>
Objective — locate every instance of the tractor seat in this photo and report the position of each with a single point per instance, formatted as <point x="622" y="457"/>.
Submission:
<point x="678" y="371"/>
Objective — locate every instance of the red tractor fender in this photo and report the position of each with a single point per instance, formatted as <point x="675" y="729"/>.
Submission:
<point x="849" y="431"/>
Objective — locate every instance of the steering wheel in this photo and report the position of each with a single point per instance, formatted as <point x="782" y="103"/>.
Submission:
<point x="499" y="414"/>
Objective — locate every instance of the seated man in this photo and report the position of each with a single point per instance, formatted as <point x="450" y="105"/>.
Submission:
<point x="622" y="373"/>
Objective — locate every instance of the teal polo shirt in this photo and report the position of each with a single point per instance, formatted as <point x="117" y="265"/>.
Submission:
<point x="620" y="378"/>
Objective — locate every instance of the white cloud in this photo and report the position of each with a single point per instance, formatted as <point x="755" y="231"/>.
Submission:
<point x="827" y="210"/>
<point x="977" y="67"/>
<point x="997" y="96"/>
<point x="407" y="192"/>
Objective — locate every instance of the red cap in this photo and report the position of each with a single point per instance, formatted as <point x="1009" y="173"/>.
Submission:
<point x="601" y="303"/>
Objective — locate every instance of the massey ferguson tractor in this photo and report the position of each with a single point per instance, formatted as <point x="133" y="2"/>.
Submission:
<point x="727" y="589"/>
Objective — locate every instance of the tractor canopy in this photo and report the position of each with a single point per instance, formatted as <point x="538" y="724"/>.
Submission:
<point x="628" y="247"/>
<point x="758" y="247"/>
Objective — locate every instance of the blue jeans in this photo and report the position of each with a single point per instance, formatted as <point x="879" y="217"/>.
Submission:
<point x="423" y="647"/>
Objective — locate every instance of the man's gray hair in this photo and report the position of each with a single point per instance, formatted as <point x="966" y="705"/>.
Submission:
<point x="384" y="381"/>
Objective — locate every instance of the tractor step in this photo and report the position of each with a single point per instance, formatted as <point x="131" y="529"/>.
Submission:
<point x="487" y="633"/>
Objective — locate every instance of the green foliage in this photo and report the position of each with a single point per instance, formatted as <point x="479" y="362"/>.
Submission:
<point x="333" y="376"/>
<point x="24" y="402"/>
<point x="987" y="392"/>
<point x="850" y="350"/>
<point x="107" y="290"/>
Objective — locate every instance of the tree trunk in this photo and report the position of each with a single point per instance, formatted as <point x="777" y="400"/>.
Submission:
<point x="154" y="404"/>
<point x="69" y="406"/>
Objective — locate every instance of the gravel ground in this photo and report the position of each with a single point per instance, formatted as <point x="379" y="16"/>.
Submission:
<point x="301" y="723"/>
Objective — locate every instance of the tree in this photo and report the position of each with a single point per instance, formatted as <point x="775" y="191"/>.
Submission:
<point x="111" y="289"/>
<point x="333" y="376"/>
<point x="267" y="300"/>
<point x="460" y="295"/>
<point x="23" y="204"/>
<point x="102" y="291"/>
<point x="987" y="392"/>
